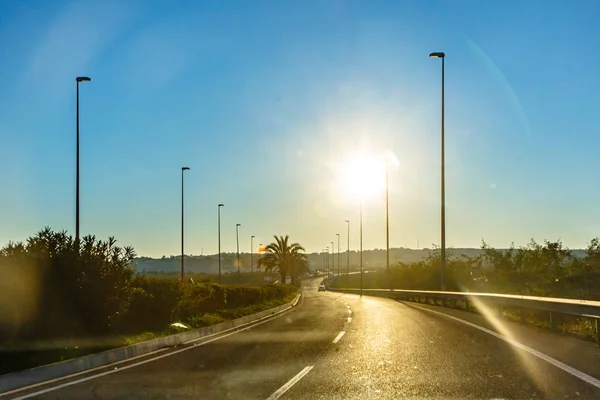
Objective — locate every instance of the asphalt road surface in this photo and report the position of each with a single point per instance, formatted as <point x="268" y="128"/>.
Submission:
<point x="335" y="346"/>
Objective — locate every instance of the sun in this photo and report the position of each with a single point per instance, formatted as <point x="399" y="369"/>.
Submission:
<point x="363" y="176"/>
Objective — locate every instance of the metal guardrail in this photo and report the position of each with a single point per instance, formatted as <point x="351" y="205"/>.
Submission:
<point x="551" y="305"/>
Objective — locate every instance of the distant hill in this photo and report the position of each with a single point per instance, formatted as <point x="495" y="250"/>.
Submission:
<point x="372" y="259"/>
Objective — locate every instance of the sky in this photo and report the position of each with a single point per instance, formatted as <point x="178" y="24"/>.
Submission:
<point x="271" y="102"/>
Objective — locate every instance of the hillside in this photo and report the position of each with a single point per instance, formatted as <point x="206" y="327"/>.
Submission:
<point x="372" y="259"/>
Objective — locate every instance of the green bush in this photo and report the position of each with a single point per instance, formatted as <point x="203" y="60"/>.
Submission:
<point x="152" y="304"/>
<point x="207" y="298"/>
<point x="54" y="287"/>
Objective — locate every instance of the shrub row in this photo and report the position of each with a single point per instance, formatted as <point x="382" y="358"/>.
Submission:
<point x="55" y="288"/>
<point x="155" y="301"/>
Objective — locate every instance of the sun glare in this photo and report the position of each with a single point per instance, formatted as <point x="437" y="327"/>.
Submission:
<point x="363" y="177"/>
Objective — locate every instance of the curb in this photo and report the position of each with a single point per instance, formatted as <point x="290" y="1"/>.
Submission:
<point x="37" y="375"/>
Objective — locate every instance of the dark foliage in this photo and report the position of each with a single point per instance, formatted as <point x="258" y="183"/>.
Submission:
<point x="538" y="269"/>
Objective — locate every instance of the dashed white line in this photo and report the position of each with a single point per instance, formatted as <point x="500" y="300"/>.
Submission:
<point x="349" y="319"/>
<point x="338" y="337"/>
<point x="290" y="383"/>
<point x="576" y="373"/>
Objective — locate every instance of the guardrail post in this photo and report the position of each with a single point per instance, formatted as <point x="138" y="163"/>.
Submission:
<point x="553" y="321"/>
<point x="521" y="315"/>
<point x="466" y="304"/>
<point x="598" y="331"/>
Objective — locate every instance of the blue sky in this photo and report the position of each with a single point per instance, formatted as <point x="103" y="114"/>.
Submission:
<point x="266" y="100"/>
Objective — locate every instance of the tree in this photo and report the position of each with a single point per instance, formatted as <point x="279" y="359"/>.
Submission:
<point x="58" y="288"/>
<point x="285" y="258"/>
<point x="299" y="266"/>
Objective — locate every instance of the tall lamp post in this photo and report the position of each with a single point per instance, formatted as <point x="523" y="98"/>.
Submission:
<point x="443" y="228"/>
<point x="182" y="220"/>
<point x="237" y="235"/>
<point x="348" y="256"/>
<point x="338" y="238"/>
<point x="77" y="80"/>
<point x="219" y="234"/>
<point x="332" y="258"/>
<point x="252" y="253"/>
<point x="361" y="247"/>
<point x="387" y="223"/>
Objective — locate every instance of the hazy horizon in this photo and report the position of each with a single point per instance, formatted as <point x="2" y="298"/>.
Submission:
<point x="455" y="251"/>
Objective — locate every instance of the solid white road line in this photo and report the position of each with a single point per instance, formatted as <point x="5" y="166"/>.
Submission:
<point x="338" y="337"/>
<point x="290" y="383"/>
<point x="112" y="371"/>
<point x="87" y="371"/>
<point x="576" y="373"/>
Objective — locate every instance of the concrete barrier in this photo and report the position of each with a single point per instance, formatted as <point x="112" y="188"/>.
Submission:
<point x="44" y="373"/>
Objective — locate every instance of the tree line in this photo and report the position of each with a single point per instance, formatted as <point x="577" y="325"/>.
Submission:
<point x="546" y="269"/>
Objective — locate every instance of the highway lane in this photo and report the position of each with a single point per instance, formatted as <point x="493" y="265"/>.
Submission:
<point x="396" y="350"/>
<point x="387" y="350"/>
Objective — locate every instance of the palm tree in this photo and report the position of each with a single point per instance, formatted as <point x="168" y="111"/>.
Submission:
<point x="287" y="259"/>
<point x="299" y="265"/>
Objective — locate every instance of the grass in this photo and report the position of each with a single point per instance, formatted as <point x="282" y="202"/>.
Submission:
<point x="208" y="319"/>
<point x="229" y="314"/>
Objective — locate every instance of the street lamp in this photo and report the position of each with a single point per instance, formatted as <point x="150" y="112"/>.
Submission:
<point x="338" y="237"/>
<point x="77" y="80"/>
<point x="237" y="235"/>
<point x="332" y="259"/>
<point x="182" y="210"/>
<point x="387" y="222"/>
<point x="251" y="253"/>
<point x="219" y="230"/>
<point x="361" y="247"/>
<point x="348" y="256"/>
<point x="443" y="228"/>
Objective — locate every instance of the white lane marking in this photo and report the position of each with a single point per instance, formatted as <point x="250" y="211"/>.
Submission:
<point x="87" y="371"/>
<point x="349" y="319"/>
<point x="575" y="372"/>
<point x="112" y="371"/>
<point x="338" y="337"/>
<point x="290" y="383"/>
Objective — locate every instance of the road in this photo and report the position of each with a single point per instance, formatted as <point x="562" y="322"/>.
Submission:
<point x="387" y="350"/>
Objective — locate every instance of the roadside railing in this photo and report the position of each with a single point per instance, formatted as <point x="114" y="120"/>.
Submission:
<point x="497" y="302"/>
